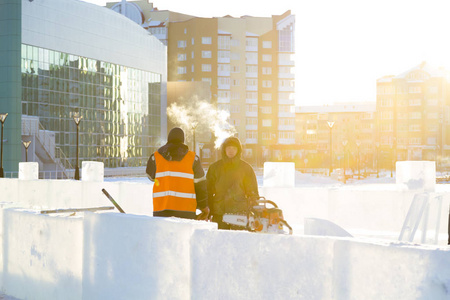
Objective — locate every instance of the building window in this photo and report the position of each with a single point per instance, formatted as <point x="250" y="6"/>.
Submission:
<point x="286" y="39"/>
<point x="432" y="102"/>
<point x="235" y="43"/>
<point x="251" y="69"/>
<point x="235" y="82"/>
<point x="267" y="44"/>
<point x="266" y="123"/>
<point x="267" y="70"/>
<point x="267" y="96"/>
<point x="182" y="57"/>
<point x="181" y="70"/>
<point x="224" y="68"/>
<point x="207" y="80"/>
<point x="224" y="42"/>
<point x="267" y="83"/>
<point x="266" y="109"/>
<point x="235" y="95"/>
<point x="206" y="40"/>
<point x="251" y="121"/>
<point x="267" y="57"/>
<point x="415" y="115"/>
<point x="235" y="56"/>
<point x="224" y="80"/>
<point x="251" y="58"/>
<point x="206" y="68"/>
<point x="181" y="44"/>
<point x="415" y="89"/>
<point x="252" y="134"/>
<point x="235" y="69"/>
<point x="223" y="54"/>
<point x="251" y="82"/>
<point x="386" y="102"/>
<point x="224" y="95"/>
<point x="192" y="41"/>
<point x="251" y="95"/>
<point x="192" y="54"/>
<point x="225" y="107"/>
<point x="251" y="108"/>
<point x="192" y="68"/>
<point x="415" y="102"/>
<point x="206" y="54"/>
<point x="235" y="109"/>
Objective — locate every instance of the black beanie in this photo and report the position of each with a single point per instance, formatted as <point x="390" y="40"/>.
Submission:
<point x="176" y="135"/>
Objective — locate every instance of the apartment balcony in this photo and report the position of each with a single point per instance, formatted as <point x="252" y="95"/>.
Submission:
<point x="224" y="73"/>
<point x="251" y="88"/>
<point x="251" y="127"/>
<point x="223" y="100"/>
<point x="286" y="101"/>
<point x="286" y="75"/>
<point x="286" y="115"/>
<point x="286" y="127"/>
<point x="251" y="101"/>
<point x="286" y="141"/>
<point x="224" y="86"/>
<point x="251" y="141"/>
<point x="286" y="89"/>
<point x="223" y="60"/>
<point x="251" y="75"/>
<point x="251" y="114"/>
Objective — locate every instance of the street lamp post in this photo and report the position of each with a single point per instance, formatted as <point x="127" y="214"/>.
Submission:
<point x="358" y="143"/>
<point x="26" y="145"/>
<point x="344" y="143"/>
<point x="330" y="124"/>
<point x="2" y="119"/>
<point x="77" y="118"/>
<point x="377" y="145"/>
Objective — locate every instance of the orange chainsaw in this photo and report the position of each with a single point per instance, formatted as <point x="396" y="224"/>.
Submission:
<point x="260" y="218"/>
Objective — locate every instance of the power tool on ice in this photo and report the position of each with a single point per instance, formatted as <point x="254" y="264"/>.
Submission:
<point x="260" y="218"/>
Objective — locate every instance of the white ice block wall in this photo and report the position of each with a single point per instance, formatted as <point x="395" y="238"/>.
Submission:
<point x="155" y="252"/>
<point x="243" y="265"/>
<point x="28" y="170"/>
<point x="416" y="175"/>
<point x="121" y="256"/>
<point x="92" y="171"/>
<point x="279" y="174"/>
<point x="42" y="255"/>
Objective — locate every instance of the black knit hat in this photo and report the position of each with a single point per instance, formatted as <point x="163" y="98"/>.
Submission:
<point x="176" y="135"/>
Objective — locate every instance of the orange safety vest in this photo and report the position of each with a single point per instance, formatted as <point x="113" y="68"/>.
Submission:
<point x="174" y="184"/>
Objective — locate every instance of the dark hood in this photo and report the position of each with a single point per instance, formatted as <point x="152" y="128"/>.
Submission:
<point x="231" y="141"/>
<point x="173" y="151"/>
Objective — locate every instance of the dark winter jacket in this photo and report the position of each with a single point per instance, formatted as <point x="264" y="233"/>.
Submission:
<point x="176" y="152"/>
<point x="231" y="182"/>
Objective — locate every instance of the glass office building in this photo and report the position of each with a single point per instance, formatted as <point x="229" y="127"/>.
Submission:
<point x="120" y="106"/>
<point x="68" y="57"/>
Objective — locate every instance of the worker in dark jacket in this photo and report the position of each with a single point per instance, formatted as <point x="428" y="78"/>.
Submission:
<point x="179" y="180"/>
<point x="231" y="183"/>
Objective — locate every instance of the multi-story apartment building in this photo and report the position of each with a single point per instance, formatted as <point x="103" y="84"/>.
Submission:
<point x="347" y="129"/>
<point x="413" y="113"/>
<point x="247" y="61"/>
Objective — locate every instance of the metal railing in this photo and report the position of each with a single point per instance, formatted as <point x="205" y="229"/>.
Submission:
<point x="63" y="162"/>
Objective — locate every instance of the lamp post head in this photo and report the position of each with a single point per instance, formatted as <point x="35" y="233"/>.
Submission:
<point x="3" y="117"/>
<point x="330" y="124"/>
<point x="26" y="144"/>
<point x="77" y="118"/>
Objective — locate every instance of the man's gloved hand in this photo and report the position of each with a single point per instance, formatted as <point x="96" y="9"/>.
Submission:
<point x="204" y="215"/>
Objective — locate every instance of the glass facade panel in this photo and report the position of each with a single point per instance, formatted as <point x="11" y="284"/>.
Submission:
<point x="120" y="106"/>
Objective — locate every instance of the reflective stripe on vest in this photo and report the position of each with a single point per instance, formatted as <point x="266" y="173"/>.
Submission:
<point x="174" y="184"/>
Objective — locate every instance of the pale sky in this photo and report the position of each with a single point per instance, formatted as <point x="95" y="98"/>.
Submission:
<point x="343" y="47"/>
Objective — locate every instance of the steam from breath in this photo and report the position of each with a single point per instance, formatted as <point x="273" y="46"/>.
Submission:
<point x="202" y="116"/>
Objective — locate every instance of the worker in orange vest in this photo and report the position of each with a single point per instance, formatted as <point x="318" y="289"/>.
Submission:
<point x="179" y="180"/>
